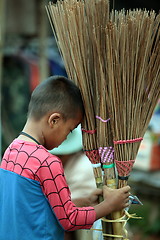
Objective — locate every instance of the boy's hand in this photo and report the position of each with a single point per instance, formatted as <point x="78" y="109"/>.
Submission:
<point x="93" y="197"/>
<point x="117" y="199"/>
<point x="90" y="200"/>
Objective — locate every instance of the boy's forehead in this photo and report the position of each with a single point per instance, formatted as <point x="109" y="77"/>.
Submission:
<point x="75" y="121"/>
<point x="79" y="117"/>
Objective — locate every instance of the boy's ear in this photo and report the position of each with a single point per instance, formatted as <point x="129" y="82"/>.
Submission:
<point x="54" y="119"/>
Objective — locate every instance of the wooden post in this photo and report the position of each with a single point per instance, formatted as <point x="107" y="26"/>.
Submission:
<point x="2" y="32"/>
<point x="43" y="33"/>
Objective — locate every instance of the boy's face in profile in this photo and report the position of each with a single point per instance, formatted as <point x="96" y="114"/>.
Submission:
<point x="61" y="130"/>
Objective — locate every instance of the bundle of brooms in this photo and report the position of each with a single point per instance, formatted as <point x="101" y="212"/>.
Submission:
<point x="115" y="60"/>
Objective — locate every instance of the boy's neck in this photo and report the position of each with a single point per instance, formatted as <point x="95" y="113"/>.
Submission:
<point x="33" y="130"/>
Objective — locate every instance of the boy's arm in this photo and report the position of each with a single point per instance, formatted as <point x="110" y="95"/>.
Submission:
<point x="55" y="188"/>
<point x="81" y="202"/>
<point x="114" y="200"/>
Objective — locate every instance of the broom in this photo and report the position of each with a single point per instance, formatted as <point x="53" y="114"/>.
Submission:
<point x="133" y="86"/>
<point x="106" y="152"/>
<point x="105" y="137"/>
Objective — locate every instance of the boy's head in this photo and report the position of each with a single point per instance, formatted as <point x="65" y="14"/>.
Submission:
<point x="58" y="94"/>
<point x="56" y="107"/>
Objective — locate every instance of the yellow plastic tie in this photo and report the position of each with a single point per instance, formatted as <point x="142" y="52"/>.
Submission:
<point x="123" y="221"/>
<point x="98" y="180"/>
<point x="111" y="183"/>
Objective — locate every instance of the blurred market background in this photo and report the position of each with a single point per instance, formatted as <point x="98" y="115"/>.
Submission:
<point x="28" y="55"/>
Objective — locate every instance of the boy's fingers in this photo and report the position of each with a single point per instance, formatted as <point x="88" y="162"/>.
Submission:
<point x="127" y="200"/>
<point x="127" y="194"/>
<point x="98" y="191"/>
<point x="126" y="205"/>
<point x="126" y="189"/>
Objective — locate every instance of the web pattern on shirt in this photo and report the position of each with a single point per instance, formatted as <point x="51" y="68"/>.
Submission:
<point x="34" y="162"/>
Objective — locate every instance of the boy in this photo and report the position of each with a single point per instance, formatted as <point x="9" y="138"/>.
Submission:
<point x="35" y="200"/>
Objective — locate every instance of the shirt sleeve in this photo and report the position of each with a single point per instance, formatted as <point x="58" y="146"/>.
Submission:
<point x="54" y="186"/>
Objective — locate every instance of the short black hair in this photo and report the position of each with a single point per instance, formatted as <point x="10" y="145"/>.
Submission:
<point x="56" y="93"/>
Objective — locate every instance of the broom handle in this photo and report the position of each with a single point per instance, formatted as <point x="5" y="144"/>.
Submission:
<point x="117" y="226"/>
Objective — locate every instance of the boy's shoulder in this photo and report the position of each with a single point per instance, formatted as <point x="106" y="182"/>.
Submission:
<point x="30" y="150"/>
<point x="27" y="158"/>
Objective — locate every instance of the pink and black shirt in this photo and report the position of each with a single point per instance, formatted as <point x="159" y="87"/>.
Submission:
<point x="35" y="199"/>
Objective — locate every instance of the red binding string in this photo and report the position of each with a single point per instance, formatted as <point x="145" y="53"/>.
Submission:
<point x="124" y="167"/>
<point x="93" y="155"/>
<point x="89" y="131"/>
<point x="128" y="141"/>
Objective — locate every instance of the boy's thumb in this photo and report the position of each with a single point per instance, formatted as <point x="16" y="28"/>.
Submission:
<point x="98" y="191"/>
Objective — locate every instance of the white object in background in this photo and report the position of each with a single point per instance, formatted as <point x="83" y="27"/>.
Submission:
<point x="155" y="123"/>
<point x="143" y="159"/>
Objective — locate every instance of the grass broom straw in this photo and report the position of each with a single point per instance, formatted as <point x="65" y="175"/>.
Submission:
<point x="104" y="133"/>
<point x="132" y="67"/>
<point x="105" y="138"/>
<point x="133" y="59"/>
